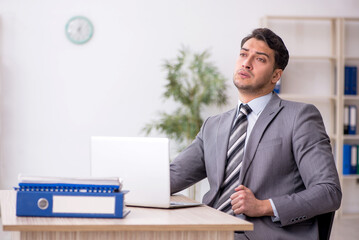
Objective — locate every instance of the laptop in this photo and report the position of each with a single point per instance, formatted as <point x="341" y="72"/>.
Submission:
<point x="143" y="165"/>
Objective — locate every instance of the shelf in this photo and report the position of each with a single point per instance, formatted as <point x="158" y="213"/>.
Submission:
<point x="351" y="137"/>
<point x="351" y="58"/>
<point x="308" y="98"/>
<point x="352" y="19"/>
<point x="350" y="215"/>
<point x="350" y="97"/>
<point x="351" y="176"/>
<point x="315" y="18"/>
<point x="296" y="57"/>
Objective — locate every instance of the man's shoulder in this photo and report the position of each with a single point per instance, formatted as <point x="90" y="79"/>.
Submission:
<point x="294" y="104"/>
<point x="294" y="108"/>
<point x="221" y="115"/>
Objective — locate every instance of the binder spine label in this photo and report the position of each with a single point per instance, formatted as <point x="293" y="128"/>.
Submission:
<point x="83" y="204"/>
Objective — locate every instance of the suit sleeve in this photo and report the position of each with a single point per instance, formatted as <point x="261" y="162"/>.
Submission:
<point x="313" y="155"/>
<point x="188" y="167"/>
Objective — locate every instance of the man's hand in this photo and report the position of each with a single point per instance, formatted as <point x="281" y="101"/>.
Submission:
<point x="244" y="201"/>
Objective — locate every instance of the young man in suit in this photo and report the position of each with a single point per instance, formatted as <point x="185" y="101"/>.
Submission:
<point x="284" y="179"/>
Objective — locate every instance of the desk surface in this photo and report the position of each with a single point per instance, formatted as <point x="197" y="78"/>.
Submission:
<point x="200" y="218"/>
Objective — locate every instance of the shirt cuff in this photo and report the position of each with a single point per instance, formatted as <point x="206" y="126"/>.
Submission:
<point x="276" y="216"/>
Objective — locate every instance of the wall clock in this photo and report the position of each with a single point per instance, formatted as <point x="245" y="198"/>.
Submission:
<point x="79" y="30"/>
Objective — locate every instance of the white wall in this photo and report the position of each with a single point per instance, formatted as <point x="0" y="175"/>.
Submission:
<point x="55" y="94"/>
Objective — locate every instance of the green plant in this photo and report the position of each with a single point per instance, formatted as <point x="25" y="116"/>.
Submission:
<point x="194" y="82"/>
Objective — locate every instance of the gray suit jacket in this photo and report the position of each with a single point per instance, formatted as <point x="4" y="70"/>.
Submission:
<point x="288" y="158"/>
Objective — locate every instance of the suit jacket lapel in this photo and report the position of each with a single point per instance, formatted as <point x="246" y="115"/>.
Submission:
<point x="224" y="129"/>
<point x="269" y="112"/>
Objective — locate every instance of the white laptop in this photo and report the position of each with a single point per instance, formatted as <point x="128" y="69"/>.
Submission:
<point x="143" y="165"/>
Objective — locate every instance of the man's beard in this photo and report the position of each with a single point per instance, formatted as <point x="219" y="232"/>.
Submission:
<point x="247" y="88"/>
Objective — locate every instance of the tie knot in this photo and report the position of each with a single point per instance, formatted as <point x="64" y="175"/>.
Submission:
<point x="245" y="109"/>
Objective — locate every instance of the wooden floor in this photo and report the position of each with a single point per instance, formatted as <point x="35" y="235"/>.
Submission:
<point x="343" y="229"/>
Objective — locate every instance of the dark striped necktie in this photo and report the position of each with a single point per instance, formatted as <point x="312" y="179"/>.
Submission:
<point x="234" y="160"/>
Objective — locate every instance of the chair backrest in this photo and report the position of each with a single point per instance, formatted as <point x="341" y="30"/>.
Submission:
<point x="325" y="223"/>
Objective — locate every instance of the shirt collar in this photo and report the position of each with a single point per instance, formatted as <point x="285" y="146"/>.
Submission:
<point x="258" y="104"/>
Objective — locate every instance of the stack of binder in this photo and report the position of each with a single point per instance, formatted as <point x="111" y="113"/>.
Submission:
<point x="70" y="197"/>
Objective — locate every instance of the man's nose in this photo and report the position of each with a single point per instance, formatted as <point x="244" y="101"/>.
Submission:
<point x="247" y="64"/>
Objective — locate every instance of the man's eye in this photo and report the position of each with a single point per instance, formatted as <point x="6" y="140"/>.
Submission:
<point x="242" y="54"/>
<point x="261" y="59"/>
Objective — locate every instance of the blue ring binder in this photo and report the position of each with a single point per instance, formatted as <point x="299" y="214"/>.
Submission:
<point x="31" y="203"/>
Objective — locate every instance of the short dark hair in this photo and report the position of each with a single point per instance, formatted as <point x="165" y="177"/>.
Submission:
<point x="281" y="54"/>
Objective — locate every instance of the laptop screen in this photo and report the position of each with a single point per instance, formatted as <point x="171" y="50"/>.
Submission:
<point x="142" y="163"/>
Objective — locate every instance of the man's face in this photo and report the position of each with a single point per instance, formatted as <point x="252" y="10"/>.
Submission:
<point x="254" y="74"/>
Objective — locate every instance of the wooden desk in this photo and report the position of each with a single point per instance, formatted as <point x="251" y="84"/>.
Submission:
<point x="193" y="223"/>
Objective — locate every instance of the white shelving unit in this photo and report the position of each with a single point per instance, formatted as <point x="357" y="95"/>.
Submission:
<point x="320" y="48"/>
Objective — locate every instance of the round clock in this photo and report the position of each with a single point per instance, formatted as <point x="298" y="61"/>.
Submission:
<point x="79" y="30"/>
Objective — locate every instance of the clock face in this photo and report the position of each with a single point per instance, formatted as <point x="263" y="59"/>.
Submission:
<point x="79" y="30"/>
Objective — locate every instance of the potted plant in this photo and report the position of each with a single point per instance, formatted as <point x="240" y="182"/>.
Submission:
<point x="194" y="82"/>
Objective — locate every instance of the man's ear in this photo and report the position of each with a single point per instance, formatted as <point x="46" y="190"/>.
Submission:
<point x="277" y="73"/>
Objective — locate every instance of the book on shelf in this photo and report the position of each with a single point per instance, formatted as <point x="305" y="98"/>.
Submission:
<point x="70" y="197"/>
<point x="350" y="119"/>
<point x="346" y="119"/>
<point x="353" y="159"/>
<point x="350" y="159"/>
<point x="346" y="159"/>
<point x="354" y="80"/>
<point x="350" y="80"/>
